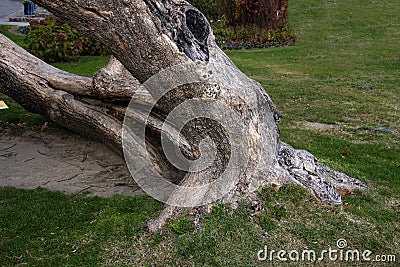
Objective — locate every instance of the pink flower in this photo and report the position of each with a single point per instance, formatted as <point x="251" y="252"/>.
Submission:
<point x="33" y="22"/>
<point x="63" y="36"/>
<point x="43" y="22"/>
<point x="78" y="44"/>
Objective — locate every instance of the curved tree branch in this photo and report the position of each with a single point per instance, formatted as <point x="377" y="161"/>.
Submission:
<point x="115" y="83"/>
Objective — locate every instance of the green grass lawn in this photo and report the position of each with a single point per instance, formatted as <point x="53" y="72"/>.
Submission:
<point x="341" y="80"/>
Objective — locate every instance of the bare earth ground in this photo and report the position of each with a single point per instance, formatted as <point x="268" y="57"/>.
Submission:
<point x="63" y="161"/>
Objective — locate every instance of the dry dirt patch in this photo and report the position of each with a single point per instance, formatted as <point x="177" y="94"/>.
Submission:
<point x="63" y="161"/>
<point x="318" y="126"/>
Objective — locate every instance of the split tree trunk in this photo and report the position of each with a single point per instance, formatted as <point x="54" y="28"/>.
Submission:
<point x="146" y="38"/>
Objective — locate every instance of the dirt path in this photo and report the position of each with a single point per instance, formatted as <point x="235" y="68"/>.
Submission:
<point x="63" y="161"/>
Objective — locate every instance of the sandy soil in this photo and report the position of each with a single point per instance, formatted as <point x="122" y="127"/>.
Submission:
<point x="63" y="161"/>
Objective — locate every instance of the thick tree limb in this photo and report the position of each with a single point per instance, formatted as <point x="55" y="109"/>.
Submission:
<point x="48" y="91"/>
<point x="149" y="37"/>
<point x="115" y="83"/>
<point x="129" y="29"/>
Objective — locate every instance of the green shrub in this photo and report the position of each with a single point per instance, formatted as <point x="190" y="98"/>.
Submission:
<point x="269" y="14"/>
<point x="246" y="24"/>
<point x="229" y="38"/>
<point x="91" y="47"/>
<point x="54" y="41"/>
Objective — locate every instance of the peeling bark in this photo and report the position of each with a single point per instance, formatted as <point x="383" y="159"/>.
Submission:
<point x="147" y="37"/>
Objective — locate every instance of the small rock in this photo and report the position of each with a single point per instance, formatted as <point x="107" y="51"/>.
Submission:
<point x="256" y="206"/>
<point x="363" y="87"/>
<point x="384" y="129"/>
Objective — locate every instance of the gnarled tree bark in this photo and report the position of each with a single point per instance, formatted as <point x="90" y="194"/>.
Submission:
<point x="147" y="37"/>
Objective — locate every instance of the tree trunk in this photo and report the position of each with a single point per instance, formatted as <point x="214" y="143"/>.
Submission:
<point x="196" y="130"/>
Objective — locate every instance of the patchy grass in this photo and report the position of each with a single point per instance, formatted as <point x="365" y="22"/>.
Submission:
<point x="291" y="220"/>
<point x="86" y="66"/>
<point x="10" y="32"/>
<point x="52" y="229"/>
<point x="16" y="119"/>
<point x="316" y="85"/>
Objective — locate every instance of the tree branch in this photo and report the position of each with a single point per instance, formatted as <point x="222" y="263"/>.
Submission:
<point x="40" y="93"/>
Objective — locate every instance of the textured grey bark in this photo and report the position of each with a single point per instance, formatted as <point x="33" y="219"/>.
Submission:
<point x="146" y="37"/>
<point x="115" y="83"/>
